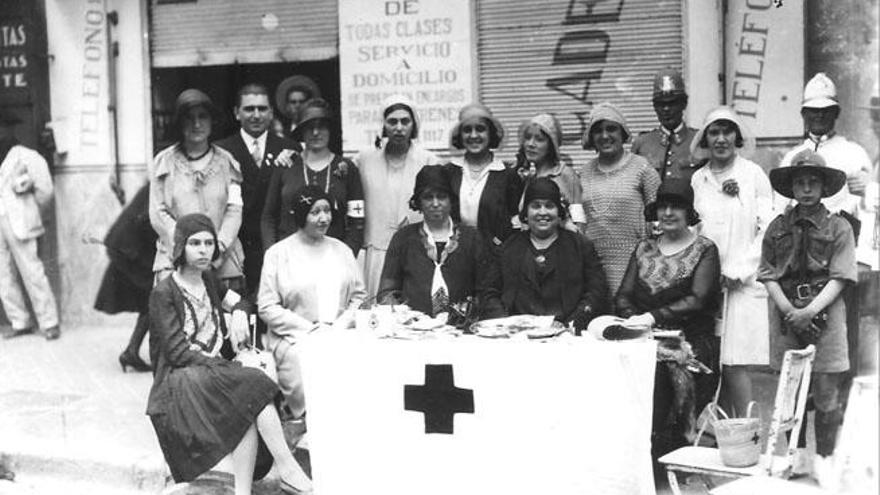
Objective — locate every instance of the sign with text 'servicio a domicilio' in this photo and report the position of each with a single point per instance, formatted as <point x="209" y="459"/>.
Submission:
<point x="417" y="48"/>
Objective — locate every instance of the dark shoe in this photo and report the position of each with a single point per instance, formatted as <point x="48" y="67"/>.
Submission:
<point x="128" y="358"/>
<point x="52" y="333"/>
<point x="18" y="333"/>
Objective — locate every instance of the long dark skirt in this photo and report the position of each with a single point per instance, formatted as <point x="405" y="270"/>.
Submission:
<point x="211" y="408"/>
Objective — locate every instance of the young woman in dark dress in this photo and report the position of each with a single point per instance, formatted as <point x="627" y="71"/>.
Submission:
<point x="205" y="409"/>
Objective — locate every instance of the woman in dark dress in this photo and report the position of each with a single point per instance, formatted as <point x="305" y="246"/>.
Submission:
<point x="673" y="282"/>
<point x="549" y="270"/>
<point x="438" y="262"/>
<point x="131" y="247"/>
<point x="317" y="166"/>
<point x="488" y="191"/>
<point x="204" y="408"/>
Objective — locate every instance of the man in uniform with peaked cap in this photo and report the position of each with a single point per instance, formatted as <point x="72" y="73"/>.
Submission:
<point x="667" y="147"/>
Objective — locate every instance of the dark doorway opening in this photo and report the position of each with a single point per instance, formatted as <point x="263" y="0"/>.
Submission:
<point x="221" y="82"/>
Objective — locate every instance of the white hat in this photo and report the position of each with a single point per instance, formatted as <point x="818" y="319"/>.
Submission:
<point x="820" y="92"/>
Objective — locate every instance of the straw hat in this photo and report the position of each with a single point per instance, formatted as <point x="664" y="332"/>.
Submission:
<point x="604" y="111"/>
<point x="298" y="82"/>
<point x="723" y="113"/>
<point x="476" y="111"/>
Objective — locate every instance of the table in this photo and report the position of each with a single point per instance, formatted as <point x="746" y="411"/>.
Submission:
<point x="478" y="416"/>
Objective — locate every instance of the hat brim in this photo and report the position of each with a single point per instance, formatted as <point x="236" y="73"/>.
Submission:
<point x="821" y="102"/>
<point x="298" y="130"/>
<point x="833" y="180"/>
<point x="291" y="82"/>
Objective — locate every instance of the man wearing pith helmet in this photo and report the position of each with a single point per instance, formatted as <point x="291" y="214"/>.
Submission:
<point x="820" y="110"/>
<point x="667" y="147"/>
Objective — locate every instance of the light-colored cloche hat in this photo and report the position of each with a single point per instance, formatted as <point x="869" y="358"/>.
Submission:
<point x="604" y="111"/>
<point x="479" y="111"/>
<point x="833" y="180"/>
<point x="549" y="125"/>
<point x="723" y="113"/>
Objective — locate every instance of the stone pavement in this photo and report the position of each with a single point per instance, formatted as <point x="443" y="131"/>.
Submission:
<point x="66" y="409"/>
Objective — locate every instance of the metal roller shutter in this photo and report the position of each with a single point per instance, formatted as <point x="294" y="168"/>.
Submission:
<point x="556" y="56"/>
<point x="220" y="32"/>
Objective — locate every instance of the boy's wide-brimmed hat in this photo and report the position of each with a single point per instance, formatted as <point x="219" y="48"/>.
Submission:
<point x="807" y="160"/>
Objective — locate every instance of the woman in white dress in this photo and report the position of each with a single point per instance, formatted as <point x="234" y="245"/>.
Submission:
<point x="388" y="174"/>
<point x="734" y="199"/>
<point x="309" y="280"/>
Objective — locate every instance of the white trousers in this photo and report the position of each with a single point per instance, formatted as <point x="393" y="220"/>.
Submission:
<point x="19" y="258"/>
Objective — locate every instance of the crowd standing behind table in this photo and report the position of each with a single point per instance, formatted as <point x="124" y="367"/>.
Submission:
<point x="491" y="243"/>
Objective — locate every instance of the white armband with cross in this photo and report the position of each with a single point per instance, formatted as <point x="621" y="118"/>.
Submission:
<point x="356" y="208"/>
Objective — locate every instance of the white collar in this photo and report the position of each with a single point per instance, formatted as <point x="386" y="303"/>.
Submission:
<point x="495" y="165"/>
<point x="249" y="140"/>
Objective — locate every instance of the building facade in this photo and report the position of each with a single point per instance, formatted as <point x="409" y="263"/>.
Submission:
<point x="112" y="69"/>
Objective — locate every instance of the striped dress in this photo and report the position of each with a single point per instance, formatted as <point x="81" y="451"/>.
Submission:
<point x="614" y="204"/>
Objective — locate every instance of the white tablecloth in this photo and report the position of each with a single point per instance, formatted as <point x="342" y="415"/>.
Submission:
<point x="566" y="417"/>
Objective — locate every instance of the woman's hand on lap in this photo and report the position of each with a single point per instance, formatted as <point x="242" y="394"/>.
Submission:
<point x="238" y="329"/>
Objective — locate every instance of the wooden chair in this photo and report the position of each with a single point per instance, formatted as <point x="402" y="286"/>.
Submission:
<point x="788" y="414"/>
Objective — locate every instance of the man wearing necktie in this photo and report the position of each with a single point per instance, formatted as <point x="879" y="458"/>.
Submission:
<point x="667" y="147"/>
<point x="258" y="152"/>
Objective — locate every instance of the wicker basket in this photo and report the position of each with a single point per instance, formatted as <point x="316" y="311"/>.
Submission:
<point x="739" y="440"/>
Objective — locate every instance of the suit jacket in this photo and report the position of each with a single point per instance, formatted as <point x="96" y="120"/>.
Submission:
<point x="23" y="210"/>
<point x="255" y="181"/>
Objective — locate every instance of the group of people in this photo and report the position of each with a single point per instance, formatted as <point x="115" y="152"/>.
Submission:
<point x="679" y="232"/>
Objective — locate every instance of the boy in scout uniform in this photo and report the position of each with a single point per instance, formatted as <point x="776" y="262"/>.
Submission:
<point x="667" y="147"/>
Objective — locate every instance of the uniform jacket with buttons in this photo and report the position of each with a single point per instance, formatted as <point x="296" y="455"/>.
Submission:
<point x="655" y="147"/>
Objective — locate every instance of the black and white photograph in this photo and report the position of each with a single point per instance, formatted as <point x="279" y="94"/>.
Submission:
<point x="439" y="247"/>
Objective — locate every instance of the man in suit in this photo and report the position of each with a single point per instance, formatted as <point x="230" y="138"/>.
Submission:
<point x="667" y="147"/>
<point x="258" y="151"/>
<point x="25" y="190"/>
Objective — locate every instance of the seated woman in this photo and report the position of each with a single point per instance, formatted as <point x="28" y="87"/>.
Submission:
<point x="549" y="270"/>
<point x="673" y="282"/>
<point x="309" y="280"/>
<point x="438" y="262"/>
<point x="204" y="408"/>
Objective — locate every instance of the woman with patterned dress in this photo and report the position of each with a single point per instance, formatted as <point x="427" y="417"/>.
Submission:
<point x="672" y="282"/>
<point x="206" y="410"/>
<point x="617" y="185"/>
<point x="735" y="202"/>
<point x="389" y="173"/>
<point x="196" y="176"/>
<point x="320" y="167"/>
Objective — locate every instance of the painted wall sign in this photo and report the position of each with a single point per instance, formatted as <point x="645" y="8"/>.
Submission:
<point x="14" y="56"/>
<point x="418" y="48"/>
<point x="765" y="65"/>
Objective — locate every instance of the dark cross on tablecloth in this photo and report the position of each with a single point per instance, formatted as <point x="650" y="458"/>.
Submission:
<point x="439" y="399"/>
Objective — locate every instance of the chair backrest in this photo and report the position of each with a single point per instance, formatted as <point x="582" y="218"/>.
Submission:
<point x="790" y="403"/>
